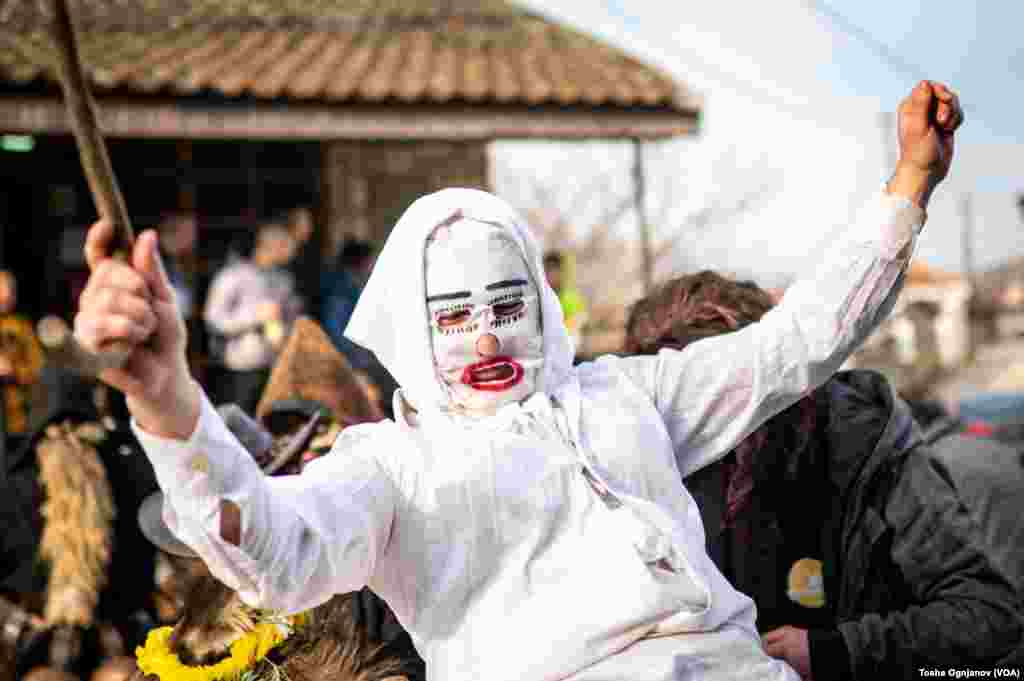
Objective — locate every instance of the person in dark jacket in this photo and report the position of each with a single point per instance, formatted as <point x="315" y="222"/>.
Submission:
<point x="340" y="289"/>
<point x="987" y="467"/>
<point x="341" y="286"/>
<point x="871" y="551"/>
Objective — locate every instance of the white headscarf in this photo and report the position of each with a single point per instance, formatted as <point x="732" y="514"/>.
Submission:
<point x="392" y="319"/>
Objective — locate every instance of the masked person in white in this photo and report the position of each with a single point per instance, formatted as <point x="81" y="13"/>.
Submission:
<point x="523" y="517"/>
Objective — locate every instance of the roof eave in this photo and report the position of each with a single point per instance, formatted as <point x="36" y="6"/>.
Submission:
<point x="180" y="118"/>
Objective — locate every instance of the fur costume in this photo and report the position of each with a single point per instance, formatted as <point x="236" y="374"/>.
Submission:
<point x="79" y="562"/>
<point x="78" y="515"/>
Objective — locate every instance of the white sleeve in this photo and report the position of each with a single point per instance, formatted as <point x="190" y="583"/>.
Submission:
<point x="716" y="391"/>
<point x="304" y="537"/>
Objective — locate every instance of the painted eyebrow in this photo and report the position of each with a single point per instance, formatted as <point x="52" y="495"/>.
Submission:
<point x="449" y="296"/>
<point x="506" y="283"/>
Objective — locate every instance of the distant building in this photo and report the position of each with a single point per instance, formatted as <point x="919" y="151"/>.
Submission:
<point x="927" y="333"/>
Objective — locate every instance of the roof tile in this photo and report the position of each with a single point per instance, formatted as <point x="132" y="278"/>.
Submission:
<point x="235" y="81"/>
<point x="411" y="83"/>
<point x="203" y="75"/>
<point x="301" y="58"/>
<point x="443" y="80"/>
<point x="344" y="76"/>
<point x="379" y="79"/>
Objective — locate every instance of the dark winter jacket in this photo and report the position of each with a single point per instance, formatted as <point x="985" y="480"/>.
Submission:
<point x="919" y="541"/>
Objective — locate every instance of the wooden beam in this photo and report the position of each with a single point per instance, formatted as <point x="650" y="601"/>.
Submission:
<point x="189" y="119"/>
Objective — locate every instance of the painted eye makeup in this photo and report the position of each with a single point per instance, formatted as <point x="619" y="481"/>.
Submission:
<point x="454" y="319"/>
<point x="508" y="305"/>
<point x="449" y="319"/>
<point x="508" y="309"/>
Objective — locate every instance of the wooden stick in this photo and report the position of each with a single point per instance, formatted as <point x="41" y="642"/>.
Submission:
<point x="85" y="124"/>
<point x="102" y="183"/>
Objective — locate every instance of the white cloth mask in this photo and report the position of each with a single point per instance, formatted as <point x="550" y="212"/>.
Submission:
<point x="392" y="318"/>
<point x="485" y="317"/>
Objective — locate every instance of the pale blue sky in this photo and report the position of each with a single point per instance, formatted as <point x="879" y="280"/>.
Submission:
<point x="786" y="89"/>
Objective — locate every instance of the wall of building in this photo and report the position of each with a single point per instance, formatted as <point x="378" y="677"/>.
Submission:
<point x="366" y="186"/>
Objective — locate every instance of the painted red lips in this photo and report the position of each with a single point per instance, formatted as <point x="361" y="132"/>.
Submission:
<point x="494" y="374"/>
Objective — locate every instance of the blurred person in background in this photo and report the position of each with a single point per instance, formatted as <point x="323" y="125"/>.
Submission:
<point x="251" y="305"/>
<point x="178" y="233"/>
<point x="871" y="548"/>
<point x="341" y="286"/>
<point x="21" y="360"/>
<point x="305" y="263"/>
<point x="560" y="271"/>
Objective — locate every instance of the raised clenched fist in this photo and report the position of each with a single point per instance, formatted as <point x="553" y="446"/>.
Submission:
<point x="928" y="118"/>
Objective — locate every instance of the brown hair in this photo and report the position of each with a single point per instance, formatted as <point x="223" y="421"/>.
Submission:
<point x="692" y="307"/>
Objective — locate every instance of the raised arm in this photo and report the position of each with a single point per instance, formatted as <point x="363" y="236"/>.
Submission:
<point x="285" y="544"/>
<point x="716" y="391"/>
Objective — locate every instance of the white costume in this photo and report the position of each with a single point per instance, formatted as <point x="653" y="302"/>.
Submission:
<point x="552" y="539"/>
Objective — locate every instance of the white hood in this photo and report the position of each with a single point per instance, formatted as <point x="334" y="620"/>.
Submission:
<point x="391" y="318"/>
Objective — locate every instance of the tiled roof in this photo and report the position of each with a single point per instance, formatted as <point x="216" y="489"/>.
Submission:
<point x="340" y="51"/>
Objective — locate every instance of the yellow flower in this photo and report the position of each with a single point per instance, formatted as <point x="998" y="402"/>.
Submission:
<point x="156" y="656"/>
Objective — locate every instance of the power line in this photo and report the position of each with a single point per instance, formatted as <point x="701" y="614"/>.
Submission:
<point x="892" y="59"/>
<point x="727" y="78"/>
<point x="895" y="61"/>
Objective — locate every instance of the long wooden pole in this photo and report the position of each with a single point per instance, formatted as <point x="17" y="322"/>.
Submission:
<point x="85" y="125"/>
<point x="106" y="194"/>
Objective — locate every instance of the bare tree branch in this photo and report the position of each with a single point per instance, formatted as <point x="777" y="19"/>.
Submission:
<point x="587" y="221"/>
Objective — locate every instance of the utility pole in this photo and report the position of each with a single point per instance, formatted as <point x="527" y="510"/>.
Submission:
<point x="967" y="263"/>
<point x="640" y="205"/>
<point x="967" y="237"/>
<point x="887" y="125"/>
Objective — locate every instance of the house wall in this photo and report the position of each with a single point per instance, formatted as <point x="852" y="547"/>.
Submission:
<point x="366" y="186"/>
<point x="903" y="335"/>
<point x="951" y="324"/>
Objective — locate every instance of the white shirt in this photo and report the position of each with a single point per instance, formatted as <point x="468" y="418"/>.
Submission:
<point x="486" y="538"/>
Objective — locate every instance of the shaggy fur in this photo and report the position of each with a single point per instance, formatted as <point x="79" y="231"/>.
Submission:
<point x="78" y="516"/>
<point x="214" y="617"/>
<point x="333" y="644"/>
